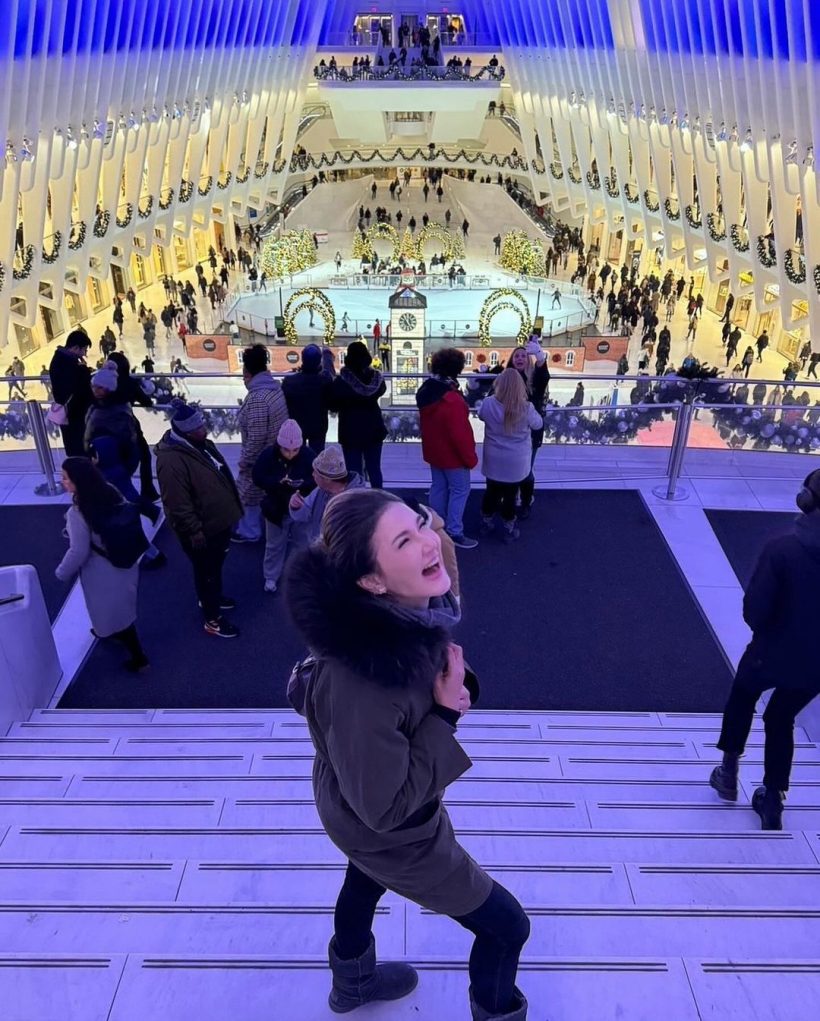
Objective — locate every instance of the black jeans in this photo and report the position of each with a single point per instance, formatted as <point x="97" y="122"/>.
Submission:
<point x="528" y="485"/>
<point x="207" y="563"/>
<point x="751" y="680"/>
<point x="369" y="459"/>
<point x="500" y="926"/>
<point x="74" y="439"/>
<point x="500" y="496"/>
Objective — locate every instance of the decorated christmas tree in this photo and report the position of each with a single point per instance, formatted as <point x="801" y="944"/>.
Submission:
<point x="409" y="248"/>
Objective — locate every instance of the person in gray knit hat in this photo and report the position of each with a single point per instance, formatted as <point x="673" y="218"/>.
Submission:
<point x="331" y="477"/>
<point x="111" y="415"/>
<point x="202" y="506"/>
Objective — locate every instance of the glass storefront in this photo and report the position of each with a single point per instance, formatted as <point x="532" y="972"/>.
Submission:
<point x="96" y="295"/>
<point x="367" y="29"/>
<point x="181" y="253"/>
<point x="138" y="270"/>
<point x="73" y="307"/>
<point x="158" y="255"/>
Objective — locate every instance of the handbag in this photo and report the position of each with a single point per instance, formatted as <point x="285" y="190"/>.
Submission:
<point x="300" y="677"/>
<point x="57" y="414"/>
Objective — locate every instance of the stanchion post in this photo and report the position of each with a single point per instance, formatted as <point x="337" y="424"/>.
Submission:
<point x="38" y="430"/>
<point x="671" y="490"/>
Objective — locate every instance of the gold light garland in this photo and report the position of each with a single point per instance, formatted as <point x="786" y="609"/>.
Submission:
<point x="409" y="248"/>
<point x="520" y="254"/>
<point x="363" y="247"/>
<point x="497" y="301"/>
<point x="305" y="299"/>
<point x="453" y="244"/>
<point x="291" y="253"/>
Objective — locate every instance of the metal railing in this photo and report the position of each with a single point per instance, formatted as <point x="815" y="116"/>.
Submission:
<point x="581" y="410"/>
<point x="396" y="72"/>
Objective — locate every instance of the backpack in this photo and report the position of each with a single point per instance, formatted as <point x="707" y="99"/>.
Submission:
<point x="122" y="536"/>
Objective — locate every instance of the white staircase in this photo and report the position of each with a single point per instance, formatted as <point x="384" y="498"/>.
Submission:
<point x="170" y="865"/>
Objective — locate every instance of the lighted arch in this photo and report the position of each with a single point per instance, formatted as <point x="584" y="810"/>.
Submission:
<point x="304" y="300"/>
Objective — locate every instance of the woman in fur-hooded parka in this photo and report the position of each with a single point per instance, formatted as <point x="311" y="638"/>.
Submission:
<point x="383" y="757"/>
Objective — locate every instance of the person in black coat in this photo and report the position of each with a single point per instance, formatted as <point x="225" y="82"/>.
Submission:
<point x="307" y="393"/>
<point x="137" y="393"/>
<point x="355" y="396"/>
<point x="70" y="380"/>
<point x="782" y="607"/>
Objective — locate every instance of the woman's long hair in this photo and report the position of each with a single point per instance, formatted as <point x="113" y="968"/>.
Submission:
<point x="510" y="391"/>
<point x="94" y="496"/>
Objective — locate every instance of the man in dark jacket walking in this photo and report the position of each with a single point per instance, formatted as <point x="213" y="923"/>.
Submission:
<point x="307" y="393"/>
<point x="70" y="381"/>
<point x="202" y="505"/>
<point x="781" y="606"/>
<point x="447" y="442"/>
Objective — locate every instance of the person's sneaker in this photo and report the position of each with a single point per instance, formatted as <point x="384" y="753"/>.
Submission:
<point x="221" y="628"/>
<point x="237" y="538"/>
<point x="724" y="782"/>
<point x="524" y="511"/>
<point x="487" y="526"/>
<point x="225" y="603"/>
<point x="270" y="586"/>
<point x="511" y="533"/>
<point x="463" y="541"/>
<point x="769" y="806"/>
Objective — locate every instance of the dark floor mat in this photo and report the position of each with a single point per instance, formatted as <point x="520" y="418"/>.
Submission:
<point x="34" y="535"/>
<point x="586" y="611"/>
<point x="743" y="534"/>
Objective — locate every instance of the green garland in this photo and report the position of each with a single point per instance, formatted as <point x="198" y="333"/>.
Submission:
<point x="309" y="298"/>
<point x="497" y="301"/>
<point x="56" y="245"/>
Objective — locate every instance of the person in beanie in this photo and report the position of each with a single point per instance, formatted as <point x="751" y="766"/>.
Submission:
<point x="111" y="415"/>
<point x="70" y="380"/>
<point x="281" y="470"/>
<point x="781" y="605"/>
<point x="307" y="393"/>
<point x="331" y="477"/>
<point x="202" y="506"/>
<point x="355" y="396"/>
<point x="447" y="442"/>
<point x="260" y="418"/>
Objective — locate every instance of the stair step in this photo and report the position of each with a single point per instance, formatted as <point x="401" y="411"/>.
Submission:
<point x="32" y="783"/>
<point x="527" y="846"/>
<point x="101" y="881"/>
<point x="724" y="884"/>
<point x="272" y="812"/>
<point x="767" y="988"/>
<point x="101" y="729"/>
<point x="48" y="745"/>
<point x="59" y="987"/>
<point x="637" y="931"/>
<point x="309" y="882"/>
<point x="42" y="927"/>
<point x="111" y="812"/>
<point x="562" y="990"/>
<point x="490" y="790"/>
<point x="122" y="765"/>
<point x="717" y="815"/>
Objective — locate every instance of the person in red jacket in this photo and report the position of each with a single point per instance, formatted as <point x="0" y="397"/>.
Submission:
<point x="447" y="442"/>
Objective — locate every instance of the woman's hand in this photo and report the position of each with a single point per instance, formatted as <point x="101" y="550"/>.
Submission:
<point x="296" y="502"/>
<point x="448" y="686"/>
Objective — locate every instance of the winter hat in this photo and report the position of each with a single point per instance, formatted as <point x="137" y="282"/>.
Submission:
<point x="289" y="435"/>
<point x="186" y="418"/>
<point x="312" y="358"/>
<point x="330" y="464"/>
<point x="106" y="378"/>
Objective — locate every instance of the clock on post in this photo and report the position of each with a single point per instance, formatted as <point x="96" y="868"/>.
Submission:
<point x="408" y="327"/>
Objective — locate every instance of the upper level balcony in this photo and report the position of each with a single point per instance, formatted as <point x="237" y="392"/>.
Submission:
<point x="416" y="73"/>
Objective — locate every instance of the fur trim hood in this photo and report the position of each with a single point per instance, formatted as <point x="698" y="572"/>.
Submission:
<point x="357" y="629"/>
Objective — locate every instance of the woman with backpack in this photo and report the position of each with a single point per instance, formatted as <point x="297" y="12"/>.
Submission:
<point x="106" y="542"/>
<point x="378" y="570"/>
